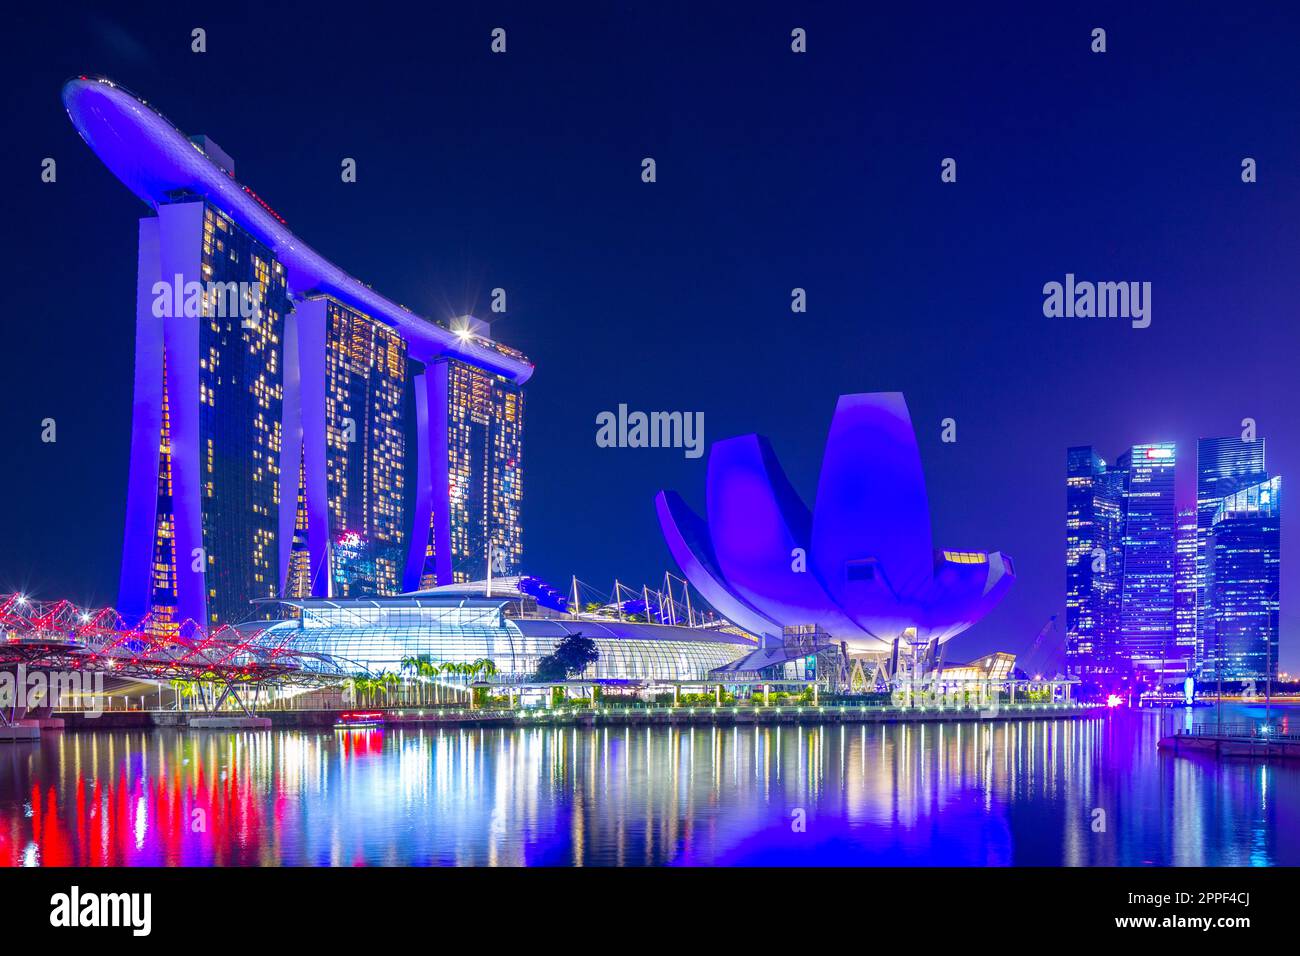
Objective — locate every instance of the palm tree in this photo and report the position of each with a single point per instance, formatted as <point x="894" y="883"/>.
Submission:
<point x="358" y="682"/>
<point x="389" y="680"/>
<point x="428" y="671"/>
<point x="356" y="685"/>
<point x="449" y="668"/>
<point x="183" y="689"/>
<point x="458" y="669"/>
<point x="367" y="685"/>
<point x="410" y="666"/>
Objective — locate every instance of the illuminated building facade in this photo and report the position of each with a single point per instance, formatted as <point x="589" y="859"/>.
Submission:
<point x="1223" y="465"/>
<point x="379" y="634"/>
<point x="477" y="417"/>
<point x="298" y="581"/>
<point x="365" y="452"/>
<point x="1147" y="629"/>
<point x="1122" y="557"/>
<point x="204" y="483"/>
<point x="1181" y="592"/>
<point x="1244" y="570"/>
<point x="162" y="587"/>
<point x="1094" y="558"/>
<point x="269" y="444"/>
<point x="1185" y="585"/>
<point x="993" y="667"/>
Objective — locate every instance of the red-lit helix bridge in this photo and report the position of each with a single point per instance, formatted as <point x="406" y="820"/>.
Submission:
<point x="60" y="636"/>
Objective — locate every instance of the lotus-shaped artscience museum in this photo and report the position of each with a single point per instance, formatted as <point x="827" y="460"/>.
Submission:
<point x="861" y="566"/>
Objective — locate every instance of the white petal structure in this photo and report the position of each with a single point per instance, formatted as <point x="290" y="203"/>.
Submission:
<point x="871" y="573"/>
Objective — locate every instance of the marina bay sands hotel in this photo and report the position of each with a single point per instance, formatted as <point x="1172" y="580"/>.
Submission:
<point x="271" y="442"/>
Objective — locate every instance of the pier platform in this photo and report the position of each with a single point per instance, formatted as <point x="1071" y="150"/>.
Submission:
<point x="603" y="715"/>
<point x="733" y="716"/>
<point x="230" y="723"/>
<point x="1254" y="741"/>
<point x="23" y="730"/>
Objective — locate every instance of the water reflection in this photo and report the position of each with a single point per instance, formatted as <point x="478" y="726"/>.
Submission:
<point x="1043" y="792"/>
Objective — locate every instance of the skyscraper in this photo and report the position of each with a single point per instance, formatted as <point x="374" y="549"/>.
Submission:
<point x="269" y="443"/>
<point x="357" y="412"/>
<point x="1223" y="465"/>
<point x="477" y="417"/>
<point x="1093" y="560"/>
<point x="1123" y="608"/>
<point x="1185" y="584"/>
<point x="202" y="512"/>
<point x="1197" y="589"/>
<point x="1245" y="560"/>
<point x="1147" y="628"/>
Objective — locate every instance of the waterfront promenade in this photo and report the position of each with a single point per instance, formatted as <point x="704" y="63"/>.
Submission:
<point x="600" y="716"/>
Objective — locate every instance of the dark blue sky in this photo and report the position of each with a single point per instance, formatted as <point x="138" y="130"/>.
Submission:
<point x="774" y="171"/>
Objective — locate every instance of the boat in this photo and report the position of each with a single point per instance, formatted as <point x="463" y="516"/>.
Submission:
<point x="354" y="719"/>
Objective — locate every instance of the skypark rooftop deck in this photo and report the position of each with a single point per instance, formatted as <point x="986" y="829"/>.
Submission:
<point x="157" y="162"/>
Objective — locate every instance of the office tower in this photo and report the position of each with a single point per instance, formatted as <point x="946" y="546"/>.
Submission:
<point x="265" y="376"/>
<point x="1147" y="627"/>
<point x="1093" y="560"/>
<point x="1223" y="465"/>
<point x="1185" y="584"/>
<point x="477" y="482"/>
<point x="1245" y="561"/>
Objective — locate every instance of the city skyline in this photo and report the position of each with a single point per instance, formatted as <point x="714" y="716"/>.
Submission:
<point x="1157" y="591"/>
<point x="932" y="289"/>
<point x="650" y="436"/>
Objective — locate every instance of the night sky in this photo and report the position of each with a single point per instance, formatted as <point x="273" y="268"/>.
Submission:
<point x="775" y="170"/>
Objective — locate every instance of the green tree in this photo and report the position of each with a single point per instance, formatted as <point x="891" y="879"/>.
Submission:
<point x="387" y="681"/>
<point x="184" y="689"/>
<point x="410" y="669"/>
<point x="428" y="670"/>
<point x="570" y="658"/>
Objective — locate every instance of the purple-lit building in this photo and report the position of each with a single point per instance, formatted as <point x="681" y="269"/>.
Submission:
<point x="1148" y="634"/>
<point x="276" y="397"/>
<point x="860" y="566"/>
<point x="1094" y="562"/>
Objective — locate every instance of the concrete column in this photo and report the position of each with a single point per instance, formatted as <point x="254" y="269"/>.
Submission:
<point x="180" y="250"/>
<point x="310" y="335"/>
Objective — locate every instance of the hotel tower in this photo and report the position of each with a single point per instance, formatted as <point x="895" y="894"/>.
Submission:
<point x="295" y="433"/>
